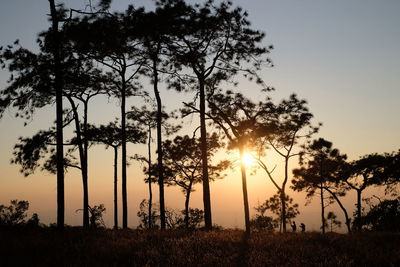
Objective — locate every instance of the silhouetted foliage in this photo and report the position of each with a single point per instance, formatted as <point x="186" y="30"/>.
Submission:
<point x="284" y="128"/>
<point x="274" y="205"/>
<point x="15" y="214"/>
<point x="174" y="219"/>
<point x="183" y="163"/>
<point x="384" y="216"/>
<point x="332" y="222"/>
<point x="320" y="167"/>
<point x="238" y="118"/>
<point x="111" y="39"/>
<point x="215" y="42"/>
<point x="366" y="171"/>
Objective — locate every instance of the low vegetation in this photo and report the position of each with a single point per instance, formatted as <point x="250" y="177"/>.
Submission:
<point x="97" y="247"/>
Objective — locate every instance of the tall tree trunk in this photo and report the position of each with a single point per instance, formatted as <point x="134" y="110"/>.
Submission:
<point x="244" y="188"/>
<point x="283" y="195"/>
<point x="85" y="168"/>
<point x="59" y="117"/>
<point x="187" y="199"/>
<point x="85" y="219"/>
<point x="123" y="159"/>
<point x="204" y="158"/>
<point x="115" y="187"/>
<point x="346" y="215"/>
<point x="149" y="178"/>
<point x="159" y="146"/>
<point x="359" y="225"/>
<point x="283" y="210"/>
<point x="322" y="210"/>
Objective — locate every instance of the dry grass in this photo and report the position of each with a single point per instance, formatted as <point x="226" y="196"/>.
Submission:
<point x="77" y="247"/>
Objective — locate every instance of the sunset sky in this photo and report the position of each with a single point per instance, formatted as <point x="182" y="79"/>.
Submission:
<point x="341" y="56"/>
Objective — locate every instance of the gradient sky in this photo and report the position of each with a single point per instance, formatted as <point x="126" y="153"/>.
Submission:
<point x="342" y="56"/>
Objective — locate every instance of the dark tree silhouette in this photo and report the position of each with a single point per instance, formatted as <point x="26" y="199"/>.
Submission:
<point x="215" y="42"/>
<point x="33" y="87"/>
<point x="110" y="135"/>
<point x="110" y="39"/>
<point x="273" y="204"/>
<point x="151" y="119"/>
<point x="14" y="214"/>
<point x="284" y="129"/>
<point x="154" y="33"/>
<point x="332" y="221"/>
<point x="384" y="216"/>
<point x="322" y="169"/>
<point x="366" y="171"/>
<point x="183" y="162"/>
<point x="237" y="117"/>
<point x="319" y="163"/>
<point x="262" y="222"/>
<point x="58" y="86"/>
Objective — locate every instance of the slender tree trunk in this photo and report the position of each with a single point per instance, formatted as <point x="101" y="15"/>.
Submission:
<point x="159" y="146"/>
<point x="59" y="117"/>
<point x="283" y="195"/>
<point x="322" y="210"/>
<point x="123" y="159"/>
<point x="359" y="225"/>
<point x="85" y="167"/>
<point x="85" y="219"/>
<point x="115" y="187"/>
<point x="187" y="199"/>
<point x="283" y="210"/>
<point x="244" y="188"/>
<point x="346" y="215"/>
<point x="150" y="189"/>
<point x="204" y="158"/>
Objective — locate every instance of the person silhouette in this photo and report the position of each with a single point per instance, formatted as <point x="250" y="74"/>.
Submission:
<point x="303" y="227"/>
<point x="294" y="226"/>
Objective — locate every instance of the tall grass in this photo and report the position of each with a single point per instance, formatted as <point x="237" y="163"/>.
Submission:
<point x="77" y="247"/>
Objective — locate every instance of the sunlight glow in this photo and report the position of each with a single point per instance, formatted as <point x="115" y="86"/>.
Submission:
<point x="248" y="159"/>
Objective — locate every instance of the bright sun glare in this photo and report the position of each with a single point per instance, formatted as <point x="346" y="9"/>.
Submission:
<point x="248" y="159"/>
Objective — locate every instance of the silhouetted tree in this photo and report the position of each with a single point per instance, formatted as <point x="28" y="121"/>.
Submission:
<point x="58" y="86"/>
<point x="322" y="170"/>
<point x="26" y="104"/>
<point x="215" y="42"/>
<point x="14" y="214"/>
<point x="384" y="216"/>
<point x="154" y="33"/>
<point x="332" y="221"/>
<point x="182" y="159"/>
<point x="273" y="204"/>
<point x="366" y="171"/>
<point x="150" y="119"/>
<point x="110" y="39"/>
<point x="148" y="221"/>
<point x="237" y="117"/>
<point x="284" y="128"/>
<point x="146" y="117"/>
<point x="110" y="135"/>
<point x="319" y="165"/>
<point x="262" y="222"/>
<point x="34" y="86"/>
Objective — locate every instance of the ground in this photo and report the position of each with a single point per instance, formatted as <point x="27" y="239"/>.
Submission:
<point x="78" y="247"/>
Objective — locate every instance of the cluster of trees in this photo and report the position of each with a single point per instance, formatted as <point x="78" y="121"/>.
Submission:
<point x="326" y="173"/>
<point x="200" y="48"/>
<point x="15" y="215"/>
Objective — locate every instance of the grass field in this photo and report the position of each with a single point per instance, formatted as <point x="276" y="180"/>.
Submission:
<point x="77" y="247"/>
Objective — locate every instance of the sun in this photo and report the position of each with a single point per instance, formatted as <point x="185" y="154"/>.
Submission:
<point x="248" y="159"/>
